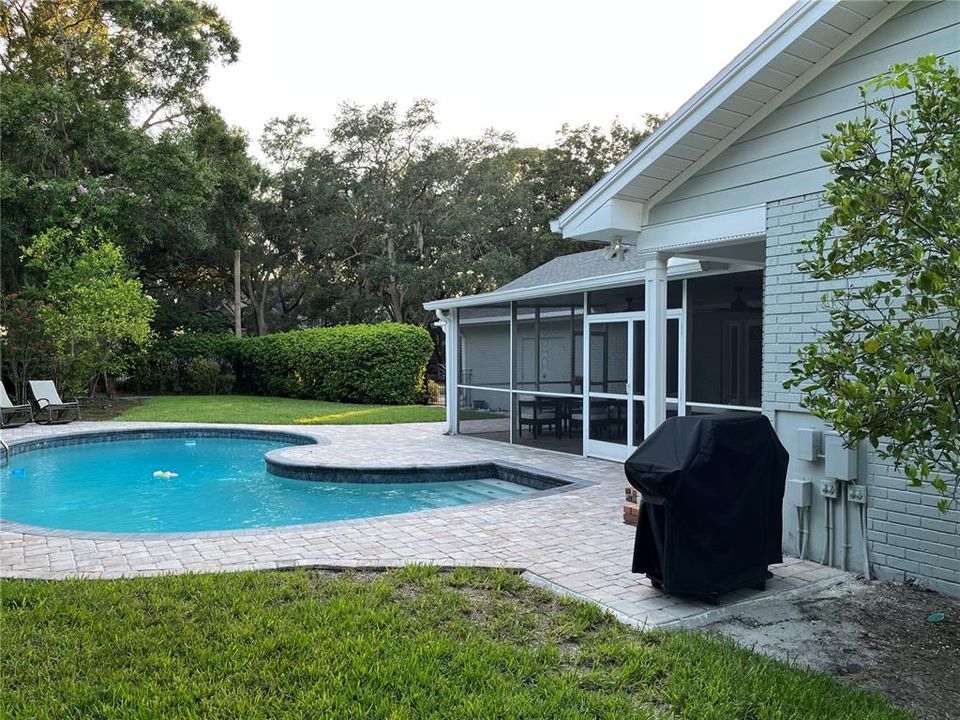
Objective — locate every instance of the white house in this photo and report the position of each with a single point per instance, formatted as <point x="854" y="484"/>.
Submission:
<point x="704" y="309"/>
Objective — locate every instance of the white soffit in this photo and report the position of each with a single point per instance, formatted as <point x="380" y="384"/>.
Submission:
<point x="712" y="229"/>
<point x="802" y="43"/>
<point x="615" y="217"/>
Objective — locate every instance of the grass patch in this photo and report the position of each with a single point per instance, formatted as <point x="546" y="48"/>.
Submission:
<point x="274" y="411"/>
<point x="412" y="643"/>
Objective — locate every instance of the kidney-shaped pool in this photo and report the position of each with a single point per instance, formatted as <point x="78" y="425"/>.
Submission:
<point x="203" y="483"/>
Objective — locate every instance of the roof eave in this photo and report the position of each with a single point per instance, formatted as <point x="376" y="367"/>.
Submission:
<point x="596" y="282"/>
<point x="793" y="23"/>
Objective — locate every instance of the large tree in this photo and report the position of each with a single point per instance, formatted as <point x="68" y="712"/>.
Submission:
<point x="104" y="128"/>
<point x="887" y="369"/>
<point x="298" y="199"/>
<point x="585" y="153"/>
<point x="103" y="123"/>
<point x="426" y="219"/>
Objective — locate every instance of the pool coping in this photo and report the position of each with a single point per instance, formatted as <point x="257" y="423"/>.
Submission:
<point x="82" y="437"/>
<point x="544" y="482"/>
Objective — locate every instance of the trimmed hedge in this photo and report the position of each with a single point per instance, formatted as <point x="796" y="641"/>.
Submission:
<point x="383" y="364"/>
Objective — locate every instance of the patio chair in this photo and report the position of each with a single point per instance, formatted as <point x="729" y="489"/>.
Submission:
<point x="11" y="414"/>
<point x="602" y="420"/>
<point x="51" y="410"/>
<point x="537" y="414"/>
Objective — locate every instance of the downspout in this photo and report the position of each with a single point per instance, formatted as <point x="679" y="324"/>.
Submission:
<point x="844" y="533"/>
<point x="827" y="549"/>
<point x="446" y="323"/>
<point x="866" y="547"/>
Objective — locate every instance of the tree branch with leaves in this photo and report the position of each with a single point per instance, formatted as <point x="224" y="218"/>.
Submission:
<point x="887" y="369"/>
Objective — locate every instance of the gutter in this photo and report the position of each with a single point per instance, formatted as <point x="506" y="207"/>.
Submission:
<point x="598" y="282"/>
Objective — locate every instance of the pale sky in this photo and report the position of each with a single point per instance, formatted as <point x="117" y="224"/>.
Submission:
<point x="517" y="65"/>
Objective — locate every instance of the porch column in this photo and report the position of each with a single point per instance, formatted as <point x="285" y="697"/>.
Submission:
<point x="655" y="379"/>
<point x="448" y="323"/>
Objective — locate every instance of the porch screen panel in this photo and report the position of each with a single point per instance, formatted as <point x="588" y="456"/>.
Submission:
<point x="484" y="412"/>
<point x="608" y="358"/>
<point x="548" y="372"/>
<point x="724" y="325"/>
<point x="483" y="377"/>
<point x="618" y="300"/>
<point x="485" y="347"/>
<point x="548" y="345"/>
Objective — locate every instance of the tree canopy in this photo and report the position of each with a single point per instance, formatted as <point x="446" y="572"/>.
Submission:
<point x="104" y="125"/>
<point x="106" y="136"/>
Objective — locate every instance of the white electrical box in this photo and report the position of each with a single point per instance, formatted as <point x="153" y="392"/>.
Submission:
<point x="839" y="462"/>
<point x="856" y="494"/>
<point x="808" y="444"/>
<point x="798" y="492"/>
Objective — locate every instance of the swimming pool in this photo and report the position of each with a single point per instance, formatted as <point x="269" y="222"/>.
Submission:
<point x="185" y="484"/>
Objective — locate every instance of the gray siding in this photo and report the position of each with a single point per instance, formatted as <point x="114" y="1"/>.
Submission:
<point x="908" y="537"/>
<point x="780" y="157"/>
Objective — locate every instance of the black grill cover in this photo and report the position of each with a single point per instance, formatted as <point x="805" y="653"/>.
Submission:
<point x="712" y="492"/>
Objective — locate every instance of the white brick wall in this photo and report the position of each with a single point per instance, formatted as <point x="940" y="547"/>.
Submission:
<point x="908" y="537"/>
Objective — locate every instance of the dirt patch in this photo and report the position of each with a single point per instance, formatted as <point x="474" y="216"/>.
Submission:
<point x="873" y="636"/>
<point x="104" y="408"/>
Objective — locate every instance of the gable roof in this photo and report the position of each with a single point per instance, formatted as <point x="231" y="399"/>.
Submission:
<point x="804" y="41"/>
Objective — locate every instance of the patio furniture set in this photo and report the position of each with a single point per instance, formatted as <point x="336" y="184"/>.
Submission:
<point x="565" y="416"/>
<point x="47" y="408"/>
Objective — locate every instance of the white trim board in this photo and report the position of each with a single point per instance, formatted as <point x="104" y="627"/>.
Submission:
<point x="766" y="50"/>
<point x="722" y="228"/>
<point x="599" y="282"/>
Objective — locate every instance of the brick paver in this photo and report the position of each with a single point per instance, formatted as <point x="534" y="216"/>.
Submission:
<point x="574" y="542"/>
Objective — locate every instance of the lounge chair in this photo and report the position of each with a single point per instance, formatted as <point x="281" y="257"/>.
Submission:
<point x="11" y="414"/>
<point x="51" y="410"/>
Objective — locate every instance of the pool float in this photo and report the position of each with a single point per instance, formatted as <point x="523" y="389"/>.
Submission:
<point x="165" y="474"/>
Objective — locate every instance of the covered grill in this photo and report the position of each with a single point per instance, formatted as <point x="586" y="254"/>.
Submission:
<point x="710" y="514"/>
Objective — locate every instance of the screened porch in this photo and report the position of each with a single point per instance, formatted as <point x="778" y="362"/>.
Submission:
<point x="523" y="373"/>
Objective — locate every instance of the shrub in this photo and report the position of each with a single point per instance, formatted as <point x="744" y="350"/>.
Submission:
<point x="382" y="364"/>
<point x="226" y="380"/>
<point x="270" y="364"/>
<point x="350" y="363"/>
<point x="435" y="392"/>
<point x="202" y="376"/>
<point x="213" y="346"/>
<point x="163" y="367"/>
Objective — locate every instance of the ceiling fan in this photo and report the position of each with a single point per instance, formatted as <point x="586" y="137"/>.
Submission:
<point x="738" y="304"/>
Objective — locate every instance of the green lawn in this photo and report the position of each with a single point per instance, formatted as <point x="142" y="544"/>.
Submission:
<point x="274" y="411"/>
<point x="412" y="643"/>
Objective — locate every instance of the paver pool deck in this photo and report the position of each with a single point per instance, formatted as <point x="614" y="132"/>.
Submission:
<point x="573" y="541"/>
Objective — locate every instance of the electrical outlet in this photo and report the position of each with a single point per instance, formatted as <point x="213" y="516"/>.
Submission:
<point x="856" y="494"/>
<point x="828" y="488"/>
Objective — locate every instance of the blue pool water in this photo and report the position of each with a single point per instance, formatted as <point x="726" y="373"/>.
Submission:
<point x="220" y="484"/>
